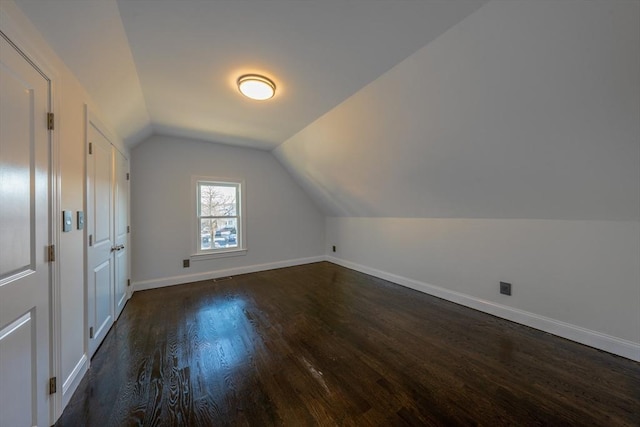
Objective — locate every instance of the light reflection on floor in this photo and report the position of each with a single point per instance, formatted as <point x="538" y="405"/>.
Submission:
<point x="231" y="337"/>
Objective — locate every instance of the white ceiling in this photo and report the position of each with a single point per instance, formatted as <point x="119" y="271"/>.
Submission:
<point x="169" y="67"/>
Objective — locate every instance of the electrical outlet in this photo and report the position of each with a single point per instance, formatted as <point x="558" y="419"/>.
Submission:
<point x="185" y="263"/>
<point x="505" y="288"/>
<point x="334" y="248"/>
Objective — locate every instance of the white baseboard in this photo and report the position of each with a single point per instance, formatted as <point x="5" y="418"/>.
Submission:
<point x="71" y="382"/>
<point x="187" y="278"/>
<point x="618" y="346"/>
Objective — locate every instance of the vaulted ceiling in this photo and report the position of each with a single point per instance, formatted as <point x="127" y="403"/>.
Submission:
<point x="397" y="108"/>
<point x="170" y="67"/>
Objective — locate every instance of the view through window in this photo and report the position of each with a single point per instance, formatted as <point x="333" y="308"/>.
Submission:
<point x="218" y="215"/>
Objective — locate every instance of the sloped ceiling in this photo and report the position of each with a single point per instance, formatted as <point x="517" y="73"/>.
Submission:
<point x="169" y="67"/>
<point x="525" y="109"/>
<point x="447" y="109"/>
<point x="89" y="37"/>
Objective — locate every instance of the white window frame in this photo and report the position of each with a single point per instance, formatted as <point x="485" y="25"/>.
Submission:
<point x="241" y="229"/>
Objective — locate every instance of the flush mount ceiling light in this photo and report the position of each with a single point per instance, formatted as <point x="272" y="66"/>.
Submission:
<point x="256" y="87"/>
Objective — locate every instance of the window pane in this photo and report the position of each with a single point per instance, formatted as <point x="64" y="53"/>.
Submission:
<point x="207" y="229"/>
<point x="218" y="210"/>
<point x="217" y="200"/>
<point x="225" y="232"/>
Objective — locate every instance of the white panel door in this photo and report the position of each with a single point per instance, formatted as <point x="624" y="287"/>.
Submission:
<point x="100" y="269"/>
<point x="121" y="220"/>
<point x="24" y="236"/>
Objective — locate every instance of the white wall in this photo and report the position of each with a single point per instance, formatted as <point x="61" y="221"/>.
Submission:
<point x="578" y="279"/>
<point x="283" y="225"/>
<point x="506" y="149"/>
<point x="69" y="136"/>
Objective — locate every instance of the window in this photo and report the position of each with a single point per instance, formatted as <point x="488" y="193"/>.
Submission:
<point x="219" y="216"/>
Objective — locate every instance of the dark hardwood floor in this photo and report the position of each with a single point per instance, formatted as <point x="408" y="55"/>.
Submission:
<point x="319" y="344"/>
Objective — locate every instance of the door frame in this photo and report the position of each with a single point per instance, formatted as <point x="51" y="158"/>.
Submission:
<point x="121" y="176"/>
<point x="91" y="119"/>
<point x="18" y="37"/>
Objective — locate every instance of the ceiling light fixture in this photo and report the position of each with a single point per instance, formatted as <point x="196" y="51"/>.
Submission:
<point x="256" y="87"/>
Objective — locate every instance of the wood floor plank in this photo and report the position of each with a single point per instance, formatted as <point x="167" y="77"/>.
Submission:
<point x="319" y="344"/>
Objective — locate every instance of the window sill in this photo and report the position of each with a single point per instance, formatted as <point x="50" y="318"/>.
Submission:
<point x="218" y="254"/>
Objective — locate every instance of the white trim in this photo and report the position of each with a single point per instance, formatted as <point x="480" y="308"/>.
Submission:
<point x="241" y="249"/>
<point x="218" y="254"/>
<point x="621" y="347"/>
<point x="74" y="378"/>
<point x="85" y="231"/>
<point x="608" y="343"/>
<point x="57" y="404"/>
<point x="21" y="37"/>
<point x="187" y="278"/>
<point x="15" y="325"/>
<point x="92" y="119"/>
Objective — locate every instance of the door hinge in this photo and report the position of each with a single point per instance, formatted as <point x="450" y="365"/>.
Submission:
<point x="128" y="229"/>
<point x="50" y="121"/>
<point x="128" y="282"/>
<point x="127" y="176"/>
<point x="53" y="385"/>
<point x="90" y="239"/>
<point x="51" y="253"/>
<point x="91" y="332"/>
<point x="91" y="148"/>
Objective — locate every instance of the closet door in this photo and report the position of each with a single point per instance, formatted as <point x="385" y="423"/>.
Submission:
<point x="24" y="239"/>
<point x="107" y="229"/>
<point x="100" y="230"/>
<point x="121" y="222"/>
